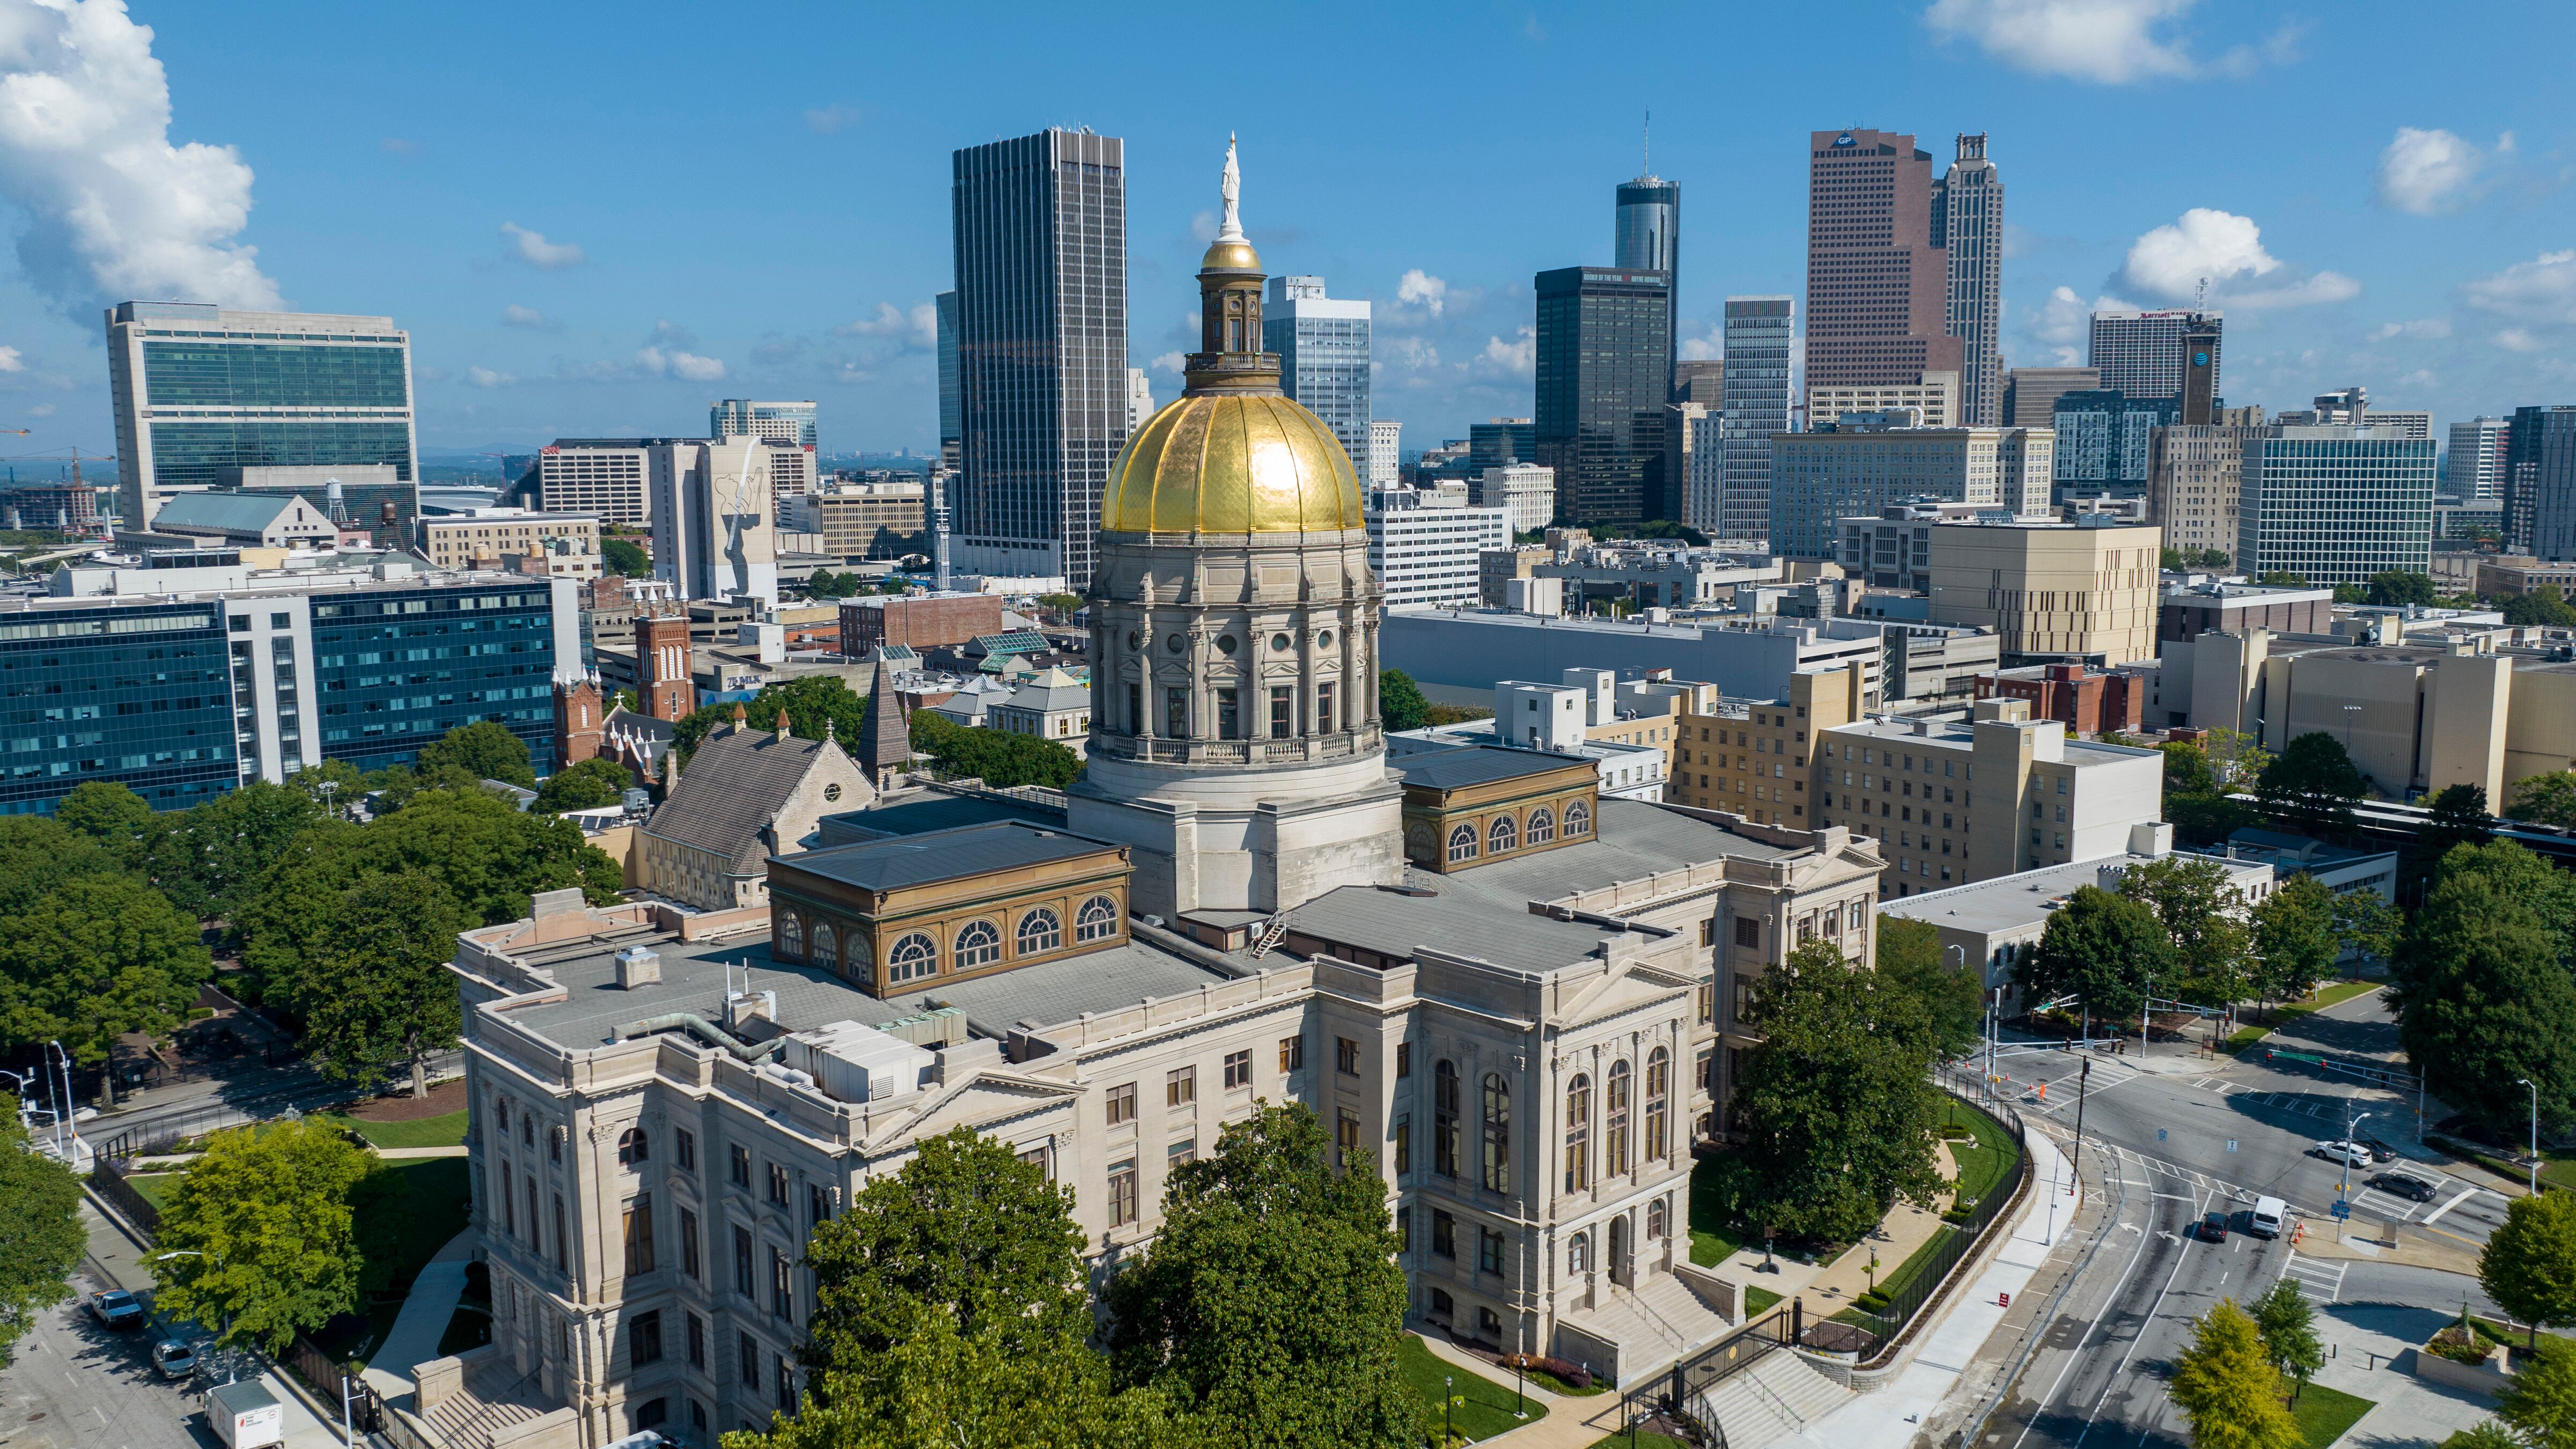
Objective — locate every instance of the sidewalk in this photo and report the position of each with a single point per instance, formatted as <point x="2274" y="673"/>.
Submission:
<point x="413" y="1340"/>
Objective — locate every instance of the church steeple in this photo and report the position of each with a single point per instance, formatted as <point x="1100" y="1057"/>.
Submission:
<point x="1230" y="359"/>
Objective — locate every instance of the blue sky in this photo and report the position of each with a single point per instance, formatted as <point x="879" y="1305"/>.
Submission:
<point x="595" y="219"/>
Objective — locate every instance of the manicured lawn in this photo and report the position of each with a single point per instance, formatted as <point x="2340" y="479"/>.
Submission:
<point x="1985" y="1160"/>
<point x="1488" y="1410"/>
<point x="1713" y="1239"/>
<point x="2339" y="992"/>
<point x="156" y="1187"/>
<point x="1758" y="1301"/>
<point x="2557" y="1170"/>
<point x="434" y="1197"/>
<point x="1645" y="1439"/>
<point x="447" y="1131"/>
<point x="2324" y="1414"/>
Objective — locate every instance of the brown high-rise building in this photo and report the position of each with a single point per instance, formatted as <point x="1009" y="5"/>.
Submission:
<point x="662" y="665"/>
<point x="1877" y="287"/>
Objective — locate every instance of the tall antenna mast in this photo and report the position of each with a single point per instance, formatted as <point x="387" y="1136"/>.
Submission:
<point x="1646" y="157"/>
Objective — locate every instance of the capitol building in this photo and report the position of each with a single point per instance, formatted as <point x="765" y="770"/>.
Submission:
<point x="1522" y="999"/>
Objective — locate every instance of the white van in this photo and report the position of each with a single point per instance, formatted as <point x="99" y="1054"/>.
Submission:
<point x="2265" y="1221"/>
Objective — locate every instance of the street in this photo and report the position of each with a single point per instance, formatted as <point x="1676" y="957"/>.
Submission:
<point x="75" y="1385"/>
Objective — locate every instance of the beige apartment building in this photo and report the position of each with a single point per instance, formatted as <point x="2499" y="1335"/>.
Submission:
<point x="851" y="516"/>
<point x="1935" y="397"/>
<point x="2194" y="474"/>
<point x="1757" y="758"/>
<point x="2053" y="592"/>
<point x="489" y="537"/>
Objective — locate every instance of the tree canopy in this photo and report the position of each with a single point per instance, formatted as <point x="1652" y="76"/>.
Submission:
<point x="1910" y="960"/>
<point x="625" y="558"/>
<point x="2540" y="1400"/>
<point x="1271" y="1295"/>
<point x="586" y="785"/>
<point x="2312" y="787"/>
<point x="1401" y="704"/>
<point x="486" y="750"/>
<point x="2295" y="943"/>
<point x="2289" y="1330"/>
<point x="2227" y="1388"/>
<point x="2481" y="988"/>
<point x="265" y="1232"/>
<point x="999" y="757"/>
<point x="2396" y="587"/>
<point x="94" y="958"/>
<point x="2544" y="610"/>
<point x="41" y="1239"/>
<point x="2203" y="918"/>
<point x="2528" y="1265"/>
<point x="1834" y="1103"/>
<point x="2102" y="947"/>
<point x="374" y="990"/>
<point x="2545" y="799"/>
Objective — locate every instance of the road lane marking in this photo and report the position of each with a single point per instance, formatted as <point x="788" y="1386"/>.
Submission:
<point x="2122" y="1371"/>
<point x="2436" y="1214"/>
<point x="2176" y="1196"/>
<point x="2076" y="1354"/>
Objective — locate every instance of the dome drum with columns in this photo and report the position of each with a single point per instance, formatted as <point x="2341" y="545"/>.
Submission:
<point x="1234" y="630"/>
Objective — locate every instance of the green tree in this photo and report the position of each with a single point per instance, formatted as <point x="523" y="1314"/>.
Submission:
<point x="2289" y="1330"/>
<point x="2524" y="876"/>
<point x="2203" y="916"/>
<point x="108" y="813"/>
<point x="264" y="1222"/>
<point x="811" y="703"/>
<point x="2545" y="799"/>
<point x="2236" y="757"/>
<point x="215" y="857"/>
<point x="374" y="990"/>
<point x="2281" y="579"/>
<point x="1834" y="1103"/>
<point x="587" y="785"/>
<point x="2540" y="1401"/>
<point x="2365" y="923"/>
<point x="2544" y="610"/>
<point x="98" y="956"/>
<point x="2483" y="999"/>
<point x="2485" y="1434"/>
<point x="951" y="1313"/>
<point x="41" y="1240"/>
<point x="1000" y="757"/>
<point x="2187" y="770"/>
<point x="2104" y="948"/>
<point x="2391" y="588"/>
<point x="2227" y="1388"/>
<point x="2458" y="817"/>
<point x="1064" y="604"/>
<point x="2312" y="787"/>
<point x="487" y="750"/>
<point x="1910" y="960"/>
<point x="621" y="557"/>
<point x="38" y="853"/>
<point x="2528" y="1265"/>
<point x="1271" y="1296"/>
<point x="1400" y="702"/>
<point x="2295" y="944"/>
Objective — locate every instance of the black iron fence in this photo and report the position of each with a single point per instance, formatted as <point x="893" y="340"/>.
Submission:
<point x="1955" y="1240"/>
<point x="107" y="1179"/>
<point x="1675" y="1395"/>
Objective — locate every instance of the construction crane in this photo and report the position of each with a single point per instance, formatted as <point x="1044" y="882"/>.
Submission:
<point x="21" y="432"/>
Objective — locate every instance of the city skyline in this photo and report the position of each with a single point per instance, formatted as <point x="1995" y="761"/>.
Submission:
<point x="551" y="290"/>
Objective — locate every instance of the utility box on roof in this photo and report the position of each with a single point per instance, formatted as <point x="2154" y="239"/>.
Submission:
<point x="855" y="1063"/>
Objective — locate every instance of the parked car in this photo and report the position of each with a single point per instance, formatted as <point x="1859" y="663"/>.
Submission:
<point x="2379" y="1151"/>
<point x="2213" y="1228"/>
<point x="2398" y="1184"/>
<point x="2350" y="1154"/>
<point x="115" y="1308"/>
<point x="173" y="1360"/>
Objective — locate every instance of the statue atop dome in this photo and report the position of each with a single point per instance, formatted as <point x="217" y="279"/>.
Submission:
<point x="1230" y="187"/>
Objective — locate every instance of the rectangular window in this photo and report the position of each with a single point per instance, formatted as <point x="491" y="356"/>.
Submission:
<point x="1238" y="1070"/>
<point x="1489" y="1252"/>
<point x="697" y="1342"/>
<point x="689" y="1243"/>
<point x="778" y="1183"/>
<point x="1707" y="928"/>
<point x="1292" y="1053"/>
<point x="1707" y="1001"/>
<point x="1444" y="1234"/>
<point x="562" y="1262"/>
<point x="509" y="1208"/>
<point x="786" y="1381"/>
<point x="1323" y="709"/>
<point x="1180" y="1088"/>
<point x="1229" y="717"/>
<point x="1748" y="932"/>
<point x="1176" y="713"/>
<point x="1122" y="1104"/>
<point x="751" y="1361"/>
<point x="1135" y="708"/>
<point x="1346" y="1056"/>
<point x="644" y="1338"/>
<point x="741" y="1157"/>
<point x="1283" y="709"/>
<point x="638" y="1221"/>
<point x="1185" y="1150"/>
<point x="782" y="1300"/>
<point x="684" y="1147"/>
<point x="1403" y="1133"/>
<point x="1346" y="1135"/>
<point x="1403" y="1060"/>
<point x="818" y="1203"/>
<point x="742" y="1283"/>
<point x="1122" y="1192"/>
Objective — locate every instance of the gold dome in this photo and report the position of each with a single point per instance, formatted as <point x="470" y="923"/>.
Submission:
<point x="1230" y="255"/>
<point x="1232" y="463"/>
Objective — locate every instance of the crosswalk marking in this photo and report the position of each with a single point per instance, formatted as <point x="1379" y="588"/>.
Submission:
<point x="2465" y="1194"/>
<point x="2315" y="1277"/>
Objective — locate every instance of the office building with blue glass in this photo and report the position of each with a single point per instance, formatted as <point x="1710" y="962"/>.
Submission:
<point x="180" y="695"/>
<point x="2335" y="504"/>
<point x="206" y="397"/>
<point x="1323" y="347"/>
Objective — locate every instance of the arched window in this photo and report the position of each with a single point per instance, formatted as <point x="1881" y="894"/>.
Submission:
<point x="1658" y="1218"/>
<point x="1444" y="1118"/>
<point x="913" y="957"/>
<point x="1498" y="1133"/>
<point x="1659" y="1084"/>
<point x="826" y="945"/>
<point x="1462" y="844"/>
<point x="1542" y="826"/>
<point x="1578" y="1134"/>
<point x="1614" y="1119"/>
<point x="791" y="937"/>
<point x="978" y="945"/>
<point x="1097" y="920"/>
<point x="1040" y="930"/>
<point x="1578" y="1253"/>
<point x="1578" y="820"/>
<point x="1503" y="836"/>
<point x="631" y="1148"/>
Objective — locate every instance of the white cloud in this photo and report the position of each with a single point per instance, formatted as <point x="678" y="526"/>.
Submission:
<point x="2420" y="377"/>
<point x="2063" y="326"/>
<point x="1421" y="289"/>
<point x="2514" y="339"/>
<point x="41" y="410"/>
<point x="2224" y="250"/>
<point x="825" y="120"/>
<point x="114" y="209"/>
<point x="533" y="248"/>
<point x="486" y="377"/>
<point x="687" y="366"/>
<point x="1711" y="348"/>
<point x="2543" y="290"/>
<point x="1412" y="352"/>
<point x="1516" y="358"/>
<point x="1169" y="362"/>
<point x="2112" y="42"/>
<point x="918" y="327"/>
<point x="10" y="361"/>
<point x="530" y="318"/>
<point x="2421" y="329"/>
<point x="2428" y="172"/>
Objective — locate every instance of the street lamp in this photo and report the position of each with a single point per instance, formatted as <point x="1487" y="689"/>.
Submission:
<point x="2343" y="1189"/>
<point x="2535" y="1135"/>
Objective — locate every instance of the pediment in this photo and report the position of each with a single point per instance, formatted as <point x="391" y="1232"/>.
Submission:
<point x="981" y="1101"/>
<point x="1634" y="983"/>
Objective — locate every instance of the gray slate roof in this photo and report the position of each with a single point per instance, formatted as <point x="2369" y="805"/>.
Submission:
<point x="1051" y="993"/>
<point x="924" y="812"/>
<point x="1452" y="769"/>
<point x="230" y="512"/>
<point x="883" y="865"/>
<point x="730" y="791"/>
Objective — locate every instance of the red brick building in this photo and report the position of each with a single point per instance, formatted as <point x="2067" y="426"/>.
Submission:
<point x="923" y="622"/>
<point x="662" y="664"/>
<point x="2087" y="701"/>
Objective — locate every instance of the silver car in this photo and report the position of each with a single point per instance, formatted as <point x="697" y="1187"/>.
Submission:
<point x="172" y="1359"/>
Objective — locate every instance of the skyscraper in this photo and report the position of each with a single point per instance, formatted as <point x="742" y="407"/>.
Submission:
<point x="1968" y="225"/>
<point x="1498" y="441"/>
<point x="952" y="429"/>
<point x="1701" y="380"/>
<point x="1323" y="347"/>
<point x="2156" y="353"/>
<point x="198" y="390"/>
<point x="777" y="422"/>
<point x="1877" y="283"/>
<point x="1760" y="331"/>
<point x="1041" y="249"/>
<point x="2540" y="483"/>
<point x="2031" y="393"/>
<point x="1383" y="436"/>
<point x="1603" y="373"/>
<point x="2476" y="469"/>
<point x="2336" y="504"/>
<point x="1650" y="240"/>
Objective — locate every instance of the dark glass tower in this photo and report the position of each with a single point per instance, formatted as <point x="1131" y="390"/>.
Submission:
<point x="1604" y="370"/>
<point x="1041" y="246"/>
<point x="1650" y="240"/>
<point x="2540" y="482"/>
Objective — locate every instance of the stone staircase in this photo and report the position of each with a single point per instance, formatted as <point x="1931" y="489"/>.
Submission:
<point x="481" y="1404"/>
<point x="1654" y="1323"/>
<point x="1776" y="1399"/>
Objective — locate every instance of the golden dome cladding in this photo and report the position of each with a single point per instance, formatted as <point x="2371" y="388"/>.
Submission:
<point x="1232" y="463"/>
